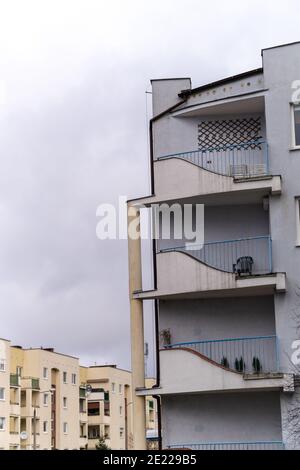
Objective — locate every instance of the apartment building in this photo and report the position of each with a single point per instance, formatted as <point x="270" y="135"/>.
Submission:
<point x="109" y="406"/>
<point x="4" y="395"/>
<point x="228" y="312"/>
<point x="42" y="404"/>
<point x="151" y="417"/>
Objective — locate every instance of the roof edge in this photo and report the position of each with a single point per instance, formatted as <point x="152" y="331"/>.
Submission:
<point x="249" y="73"/>
<point x="279" y="45"/>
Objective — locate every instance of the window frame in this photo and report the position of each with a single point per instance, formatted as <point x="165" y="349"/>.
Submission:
<point x="45" y="423"/>
<point x="45" y="375"/>
<point x="3" y="420"/>
<point x="3" y="389"/>
<point x="297" y="217"/>
<point x="65" y="403"/>
<point x="45" y="399"/>
<point x="65" y="377"/>
<point x="294" y="106"/>
<point x="3" y="363"/>
<point x="65" y="427"/>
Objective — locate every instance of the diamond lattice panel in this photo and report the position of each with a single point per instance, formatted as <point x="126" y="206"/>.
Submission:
<point x="233" y="131"/>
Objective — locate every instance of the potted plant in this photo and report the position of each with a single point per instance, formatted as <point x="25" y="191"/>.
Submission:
<point x="239" y="364"/>
<point x="256" y="364"/>
<point x="224" y="362"/>
<point x="165" y="336"/>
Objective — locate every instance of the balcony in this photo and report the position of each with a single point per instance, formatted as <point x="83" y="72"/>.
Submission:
<point x="244" y="256"/>
<point x="236" y="365"/>
<point x="248" y="355"/>
<point x="14" y="380"/>
<point x="217" y="269"/>
<point x="240" y="161"/>
<point x="14" y="409"/>
<point x="260" y="445"/>
<point x="14" y="438"/>
<point x="239" y="170"/>
<point x="83" y="417"/>
<point x="30" y="382"/>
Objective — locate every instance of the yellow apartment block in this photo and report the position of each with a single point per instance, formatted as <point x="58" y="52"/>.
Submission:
<point x="48" y="401"/>
<point x="109" y="406"/>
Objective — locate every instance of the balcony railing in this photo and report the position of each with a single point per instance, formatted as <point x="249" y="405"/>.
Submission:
<point x="255" y="354"/>
<point x="243" y="256"/>
<point x="35" y="383"/>
<point x="14" y="380"/>
<point x="259" y="445"/>
<point x="244" y="160"/>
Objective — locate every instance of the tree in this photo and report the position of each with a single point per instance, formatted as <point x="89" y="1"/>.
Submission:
<point x="101" y="444"/>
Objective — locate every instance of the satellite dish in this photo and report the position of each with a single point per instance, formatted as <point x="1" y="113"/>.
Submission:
<point x="88" y="390"/>
<point x="23" y="436"/>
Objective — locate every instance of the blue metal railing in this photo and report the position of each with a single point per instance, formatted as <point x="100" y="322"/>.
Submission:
<point x="256" y="445"/>
<point x="229" y="255"/>
<point x="244" y="160"/>
<point x="250" y="354"/>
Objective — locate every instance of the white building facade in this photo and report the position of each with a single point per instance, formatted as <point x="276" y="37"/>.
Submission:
<point x="228" y="313"/>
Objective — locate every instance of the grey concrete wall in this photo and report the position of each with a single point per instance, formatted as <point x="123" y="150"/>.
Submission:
<point x="165" y="93"/>
<point x="232" y="417"/>
<point x="227" y="223"/>
<point x="281" y="68"/>
<point x="205" y="319"/>
<point x="180" y="134"/>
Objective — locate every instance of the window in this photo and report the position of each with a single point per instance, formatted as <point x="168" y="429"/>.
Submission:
<point x="106" y="432"/>
<point x="45" y="373"/>
<point x="65" y="402"/>
<point x="94" y="432"/>
<point x="106" y="408"/>
<point x="121" y="410"/>
<point x="19" y="371"/>
<point x="296" y="123"/>
<point x="45" y="399"/>
<point x="297" y="221"/>
<point x="2" y="365"/>
<point x="2" y="393"/>
<point x="113" y="387"/>
<point x="2" y="424"/>
<point x="64" y="377"/>
<point x="73" y="379"/>
<point x="93" y="408"/>
<point x="45" y="426"/>
<point x="120" y="388"/>
<point x="121" y="433"/>
<point x="65" y="428"/>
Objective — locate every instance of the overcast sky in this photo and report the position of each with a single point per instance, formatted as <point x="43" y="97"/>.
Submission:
<point x="73" y="134"/>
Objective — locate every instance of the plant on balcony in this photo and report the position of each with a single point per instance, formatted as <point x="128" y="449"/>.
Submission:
<point x="224" y="362"/>
<point x="239" y="364"/>
<point x="101" y="444"/>
<point x="256" y="364"/>
<point x="165" y="336"/>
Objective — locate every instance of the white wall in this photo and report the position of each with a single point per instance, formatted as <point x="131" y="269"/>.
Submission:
<point x="239" y="417"/>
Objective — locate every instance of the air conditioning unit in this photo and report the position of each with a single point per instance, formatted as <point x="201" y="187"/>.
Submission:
<point x="239" y="171"/>
<point x="258" y="169"/>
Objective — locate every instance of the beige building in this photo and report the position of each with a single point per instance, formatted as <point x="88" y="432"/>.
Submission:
<point x="4" y="395"/>
<point x="109" y="406"/>
<point x="151" y="417"/>
<point x="48" y="401"/>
